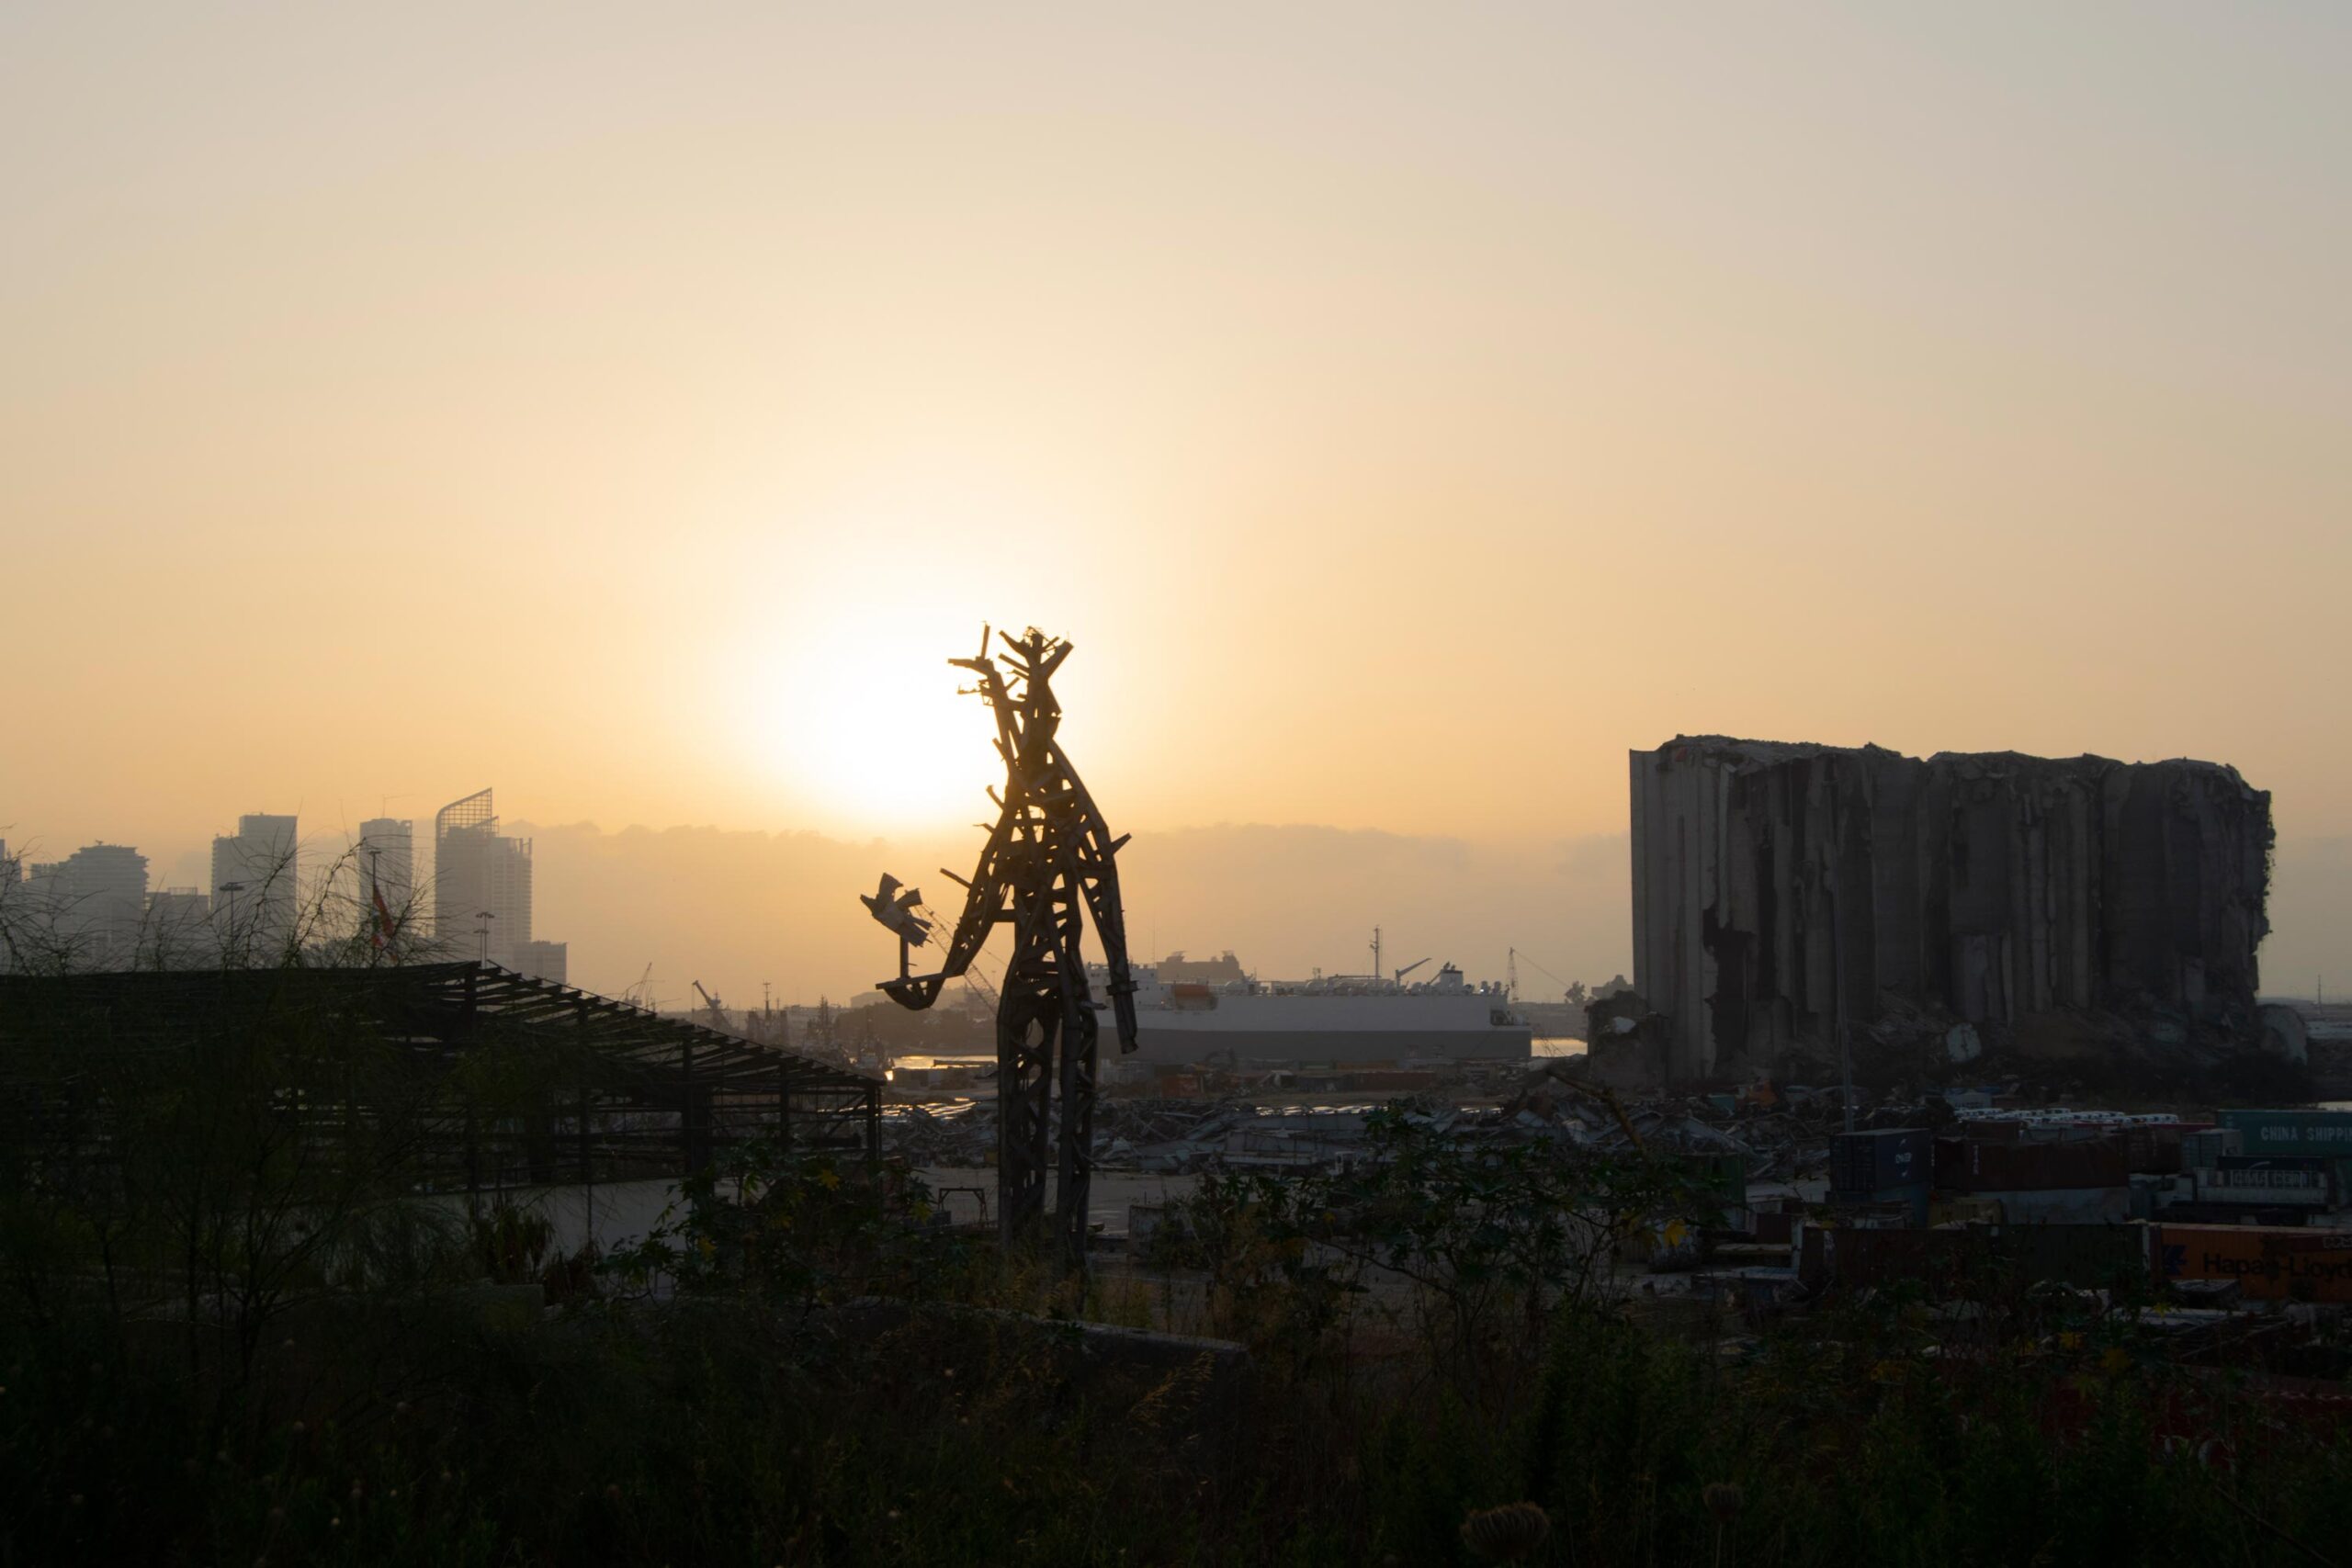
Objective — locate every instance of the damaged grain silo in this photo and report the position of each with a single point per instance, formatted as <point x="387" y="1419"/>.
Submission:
<point x="1998" y="890"/>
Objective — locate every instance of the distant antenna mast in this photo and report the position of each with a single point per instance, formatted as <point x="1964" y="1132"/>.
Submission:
<point x="1376" y="970"/>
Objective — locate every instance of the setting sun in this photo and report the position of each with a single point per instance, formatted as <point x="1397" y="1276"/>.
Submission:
<point x="870" y="729"/>
<point x="862" y="725"/>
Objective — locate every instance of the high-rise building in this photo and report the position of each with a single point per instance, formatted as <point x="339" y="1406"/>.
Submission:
<point x="384" y="864"/>
<point x="91" y="902"/>
<point x="255" y="899"/>
<point x="541" y="960"/>
<point x="178" y="931"/>
<point x="482" y="883"/>
<point x="17" y="928"/>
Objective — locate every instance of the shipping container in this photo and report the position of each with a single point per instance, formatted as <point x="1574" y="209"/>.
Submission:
<point x="2207" y="1146"/>
<point x="1964" y="1209"/>
<point x="2288" y="1180"/>
<point x="2191" y="1212"/>
<point x="1968" y="1165"/>
<point x="1948" y="1263"/>
<point x="2338" y="1167"/>
<point x="1906" y="1206"/>
<point x="2065" y="1205"/>
<point x="2294" y="1133"/>
<point x="2327" y="1133"/>
<point x="2274" y="1162"/>
<point x="2154" y="1150"/>
<point x="2269" y="1263"/>
<point x="1858" y="1258"/>
<point x="1981" y="1259"/>
<point x="2069" y="1132"/>
<point x="1868" y="1162"/>
<point x="2094" y="1257"/>
<point x="2148" y="1194"/>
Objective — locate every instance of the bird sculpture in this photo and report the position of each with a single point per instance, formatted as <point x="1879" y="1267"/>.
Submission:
<point x="897" y="910"/>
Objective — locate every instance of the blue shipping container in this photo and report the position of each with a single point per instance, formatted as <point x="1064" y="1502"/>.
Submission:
<point x="1872" y="1162"/>
<point x="2205" y="1147"/>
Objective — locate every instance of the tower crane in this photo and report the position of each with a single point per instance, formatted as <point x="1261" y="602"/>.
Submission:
<point x="976" y="981"/>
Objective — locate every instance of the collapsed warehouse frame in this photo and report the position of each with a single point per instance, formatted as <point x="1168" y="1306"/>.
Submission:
<point x="480" y="1079"/>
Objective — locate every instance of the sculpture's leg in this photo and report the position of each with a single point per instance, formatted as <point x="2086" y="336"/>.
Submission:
<point x="1074" y="1185"/>
<point x="1026" y="1022"/>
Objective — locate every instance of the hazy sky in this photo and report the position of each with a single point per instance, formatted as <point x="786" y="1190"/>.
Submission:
<point x="1404" y="409"/>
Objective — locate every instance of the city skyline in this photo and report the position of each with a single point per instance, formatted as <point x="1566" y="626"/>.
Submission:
<point x="272" y="894"/>
<point x="741" y="908"/>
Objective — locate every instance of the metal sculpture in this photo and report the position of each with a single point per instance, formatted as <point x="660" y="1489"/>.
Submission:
<point x="1049" y="863"/>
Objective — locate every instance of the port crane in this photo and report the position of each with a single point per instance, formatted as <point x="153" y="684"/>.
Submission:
<point x="710" y="1004"/>
<point x="1510" y="974"/>
<point x="1048" y="865"/>
<point x="1377" y="970"/>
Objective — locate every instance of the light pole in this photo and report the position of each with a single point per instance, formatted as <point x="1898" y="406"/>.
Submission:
<point x="483" y="930"/>
<point x="228" y="921"/>
<point x="371" y="906"/>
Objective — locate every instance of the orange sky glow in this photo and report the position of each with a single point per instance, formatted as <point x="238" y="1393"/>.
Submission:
<point x="1405" y="410"/>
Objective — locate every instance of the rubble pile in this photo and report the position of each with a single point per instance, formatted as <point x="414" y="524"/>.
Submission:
<point x="1782" y="1142"/>
<point x="1783" y="1139"/>
<point x="1163" y="1136"/>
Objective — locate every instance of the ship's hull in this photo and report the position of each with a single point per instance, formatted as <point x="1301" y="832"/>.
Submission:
<point x="1186" y="1048"/>
<point x="1331" y="1029"/>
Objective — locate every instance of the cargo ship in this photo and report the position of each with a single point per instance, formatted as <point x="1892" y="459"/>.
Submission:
<point x="1194" y="1012"/>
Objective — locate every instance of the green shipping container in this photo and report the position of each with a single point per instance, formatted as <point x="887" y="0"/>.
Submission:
<point x="2320" y="1134"/>
<point x="2327" y="1134"/>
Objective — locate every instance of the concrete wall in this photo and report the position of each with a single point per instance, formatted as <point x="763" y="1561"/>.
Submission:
<point x="1989" y="887"/>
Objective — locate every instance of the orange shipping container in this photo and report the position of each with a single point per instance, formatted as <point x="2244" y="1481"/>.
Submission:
<point x="2270" y="1263"/>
